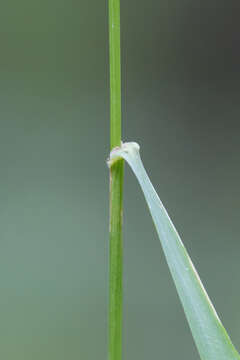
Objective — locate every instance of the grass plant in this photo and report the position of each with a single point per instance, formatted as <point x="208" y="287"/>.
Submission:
<point x="211" y="338"/>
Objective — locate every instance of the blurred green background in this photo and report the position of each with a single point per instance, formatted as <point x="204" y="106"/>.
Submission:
<point x="181" y="85"/>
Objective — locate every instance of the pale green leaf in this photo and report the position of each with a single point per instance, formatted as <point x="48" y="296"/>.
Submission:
<point x="212" y="340"/>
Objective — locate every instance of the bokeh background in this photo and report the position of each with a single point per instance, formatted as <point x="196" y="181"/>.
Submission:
<point x="181" y="87"/>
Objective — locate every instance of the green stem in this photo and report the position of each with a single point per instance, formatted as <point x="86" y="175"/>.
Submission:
<point x="116" y="186"/>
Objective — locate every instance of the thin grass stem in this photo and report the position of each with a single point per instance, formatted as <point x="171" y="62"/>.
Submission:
<point x="116" y="187"/>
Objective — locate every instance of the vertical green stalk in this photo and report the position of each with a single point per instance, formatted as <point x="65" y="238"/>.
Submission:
<point x="116" y="185"/>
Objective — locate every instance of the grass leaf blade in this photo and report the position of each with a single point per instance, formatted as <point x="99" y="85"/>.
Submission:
<point x="211" y="338"/>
